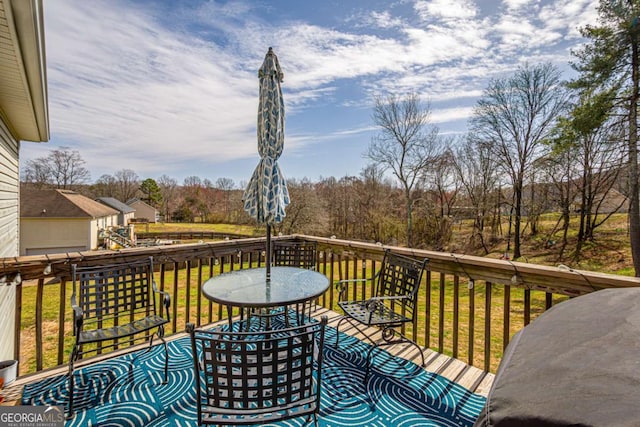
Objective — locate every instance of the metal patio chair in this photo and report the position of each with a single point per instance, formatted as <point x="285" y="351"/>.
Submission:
<point x="393" y="304"/>
<point x="245" y="378"/>
<point x="289" y="254"/>
<point x="301" y="255"/>
<point x="113" y="306"/>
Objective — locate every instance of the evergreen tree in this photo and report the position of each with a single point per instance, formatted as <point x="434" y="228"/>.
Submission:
<point x="152" y="193"/>
<point x="609" y="63"/>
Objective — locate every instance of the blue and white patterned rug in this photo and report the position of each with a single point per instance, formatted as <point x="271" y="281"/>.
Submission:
<point x="128" y="391"/>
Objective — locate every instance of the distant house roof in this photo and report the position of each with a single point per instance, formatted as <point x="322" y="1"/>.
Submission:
<point x="116" y="204"/>
<point x="60" y="204"/>
<point x="136" y="200"/>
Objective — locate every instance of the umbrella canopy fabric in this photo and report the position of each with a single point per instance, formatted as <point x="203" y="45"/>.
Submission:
<point x="266" y="195"/>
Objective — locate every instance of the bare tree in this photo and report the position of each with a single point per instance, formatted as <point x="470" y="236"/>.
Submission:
<point x="592" y="134"/>
<point x="169" y="189"/>
<point x="403" y="144"/>
<point x="559" y="168"/>
<point x="194" y="203"/>
<point x="516" y="114"/>
<point x="304" y="213"/>
<point x="375" y="206"/>
<point x="105" y="186"/>
<point x="127" y="184"/>
<point x="37" y="173"/>
<point x="476" y="170"/>
<point x="226" y="185"/>
<point x="62" y="168"/>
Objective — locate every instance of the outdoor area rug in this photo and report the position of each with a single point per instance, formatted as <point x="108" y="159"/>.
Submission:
<point x="128" y="391"/>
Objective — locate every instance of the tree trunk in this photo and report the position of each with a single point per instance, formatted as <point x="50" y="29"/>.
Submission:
<point x="634" y="207"/>
<point x="409" y="218"/>
<point x="518" y="217"/>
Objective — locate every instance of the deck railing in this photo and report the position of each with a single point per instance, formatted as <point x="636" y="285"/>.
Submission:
<point x="469" y="307"/>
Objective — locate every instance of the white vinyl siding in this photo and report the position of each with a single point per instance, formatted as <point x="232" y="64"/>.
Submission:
<point x="9" y="219"/>
<point x="7" y="320"/>
<point x="9" y="189"/>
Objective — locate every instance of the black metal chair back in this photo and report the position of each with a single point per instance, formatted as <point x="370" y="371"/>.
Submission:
<point x="400" y="276"/>
<point x="257" y="377"/>
<point x="295" y="254"/>
<point x="300" y="255"/>
<point x="113" y="306"/>
<point x="108" y="294"/>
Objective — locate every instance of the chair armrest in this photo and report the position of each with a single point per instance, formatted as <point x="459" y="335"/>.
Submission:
<point x="389" y="298"/>
<point x="166" y="298"/>
<point x="342" y="286"/>
<point x="78" y="315"/>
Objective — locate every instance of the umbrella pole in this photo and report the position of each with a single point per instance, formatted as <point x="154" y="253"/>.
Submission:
<point x="268" y="252"/>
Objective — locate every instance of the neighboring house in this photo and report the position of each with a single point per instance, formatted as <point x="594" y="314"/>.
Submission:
<point x="55" y="221"/>
<point x="126" y="212"/>
<point x="24" y="117"/>
<point x="143" y="210"/>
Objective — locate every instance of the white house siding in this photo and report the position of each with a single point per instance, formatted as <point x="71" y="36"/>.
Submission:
<point x="128" y="217"/>
<point x="99" y="224"/>
<point x="9" y="188"/>
<point x="7" y="320"/>
<point x="9" y="219"/>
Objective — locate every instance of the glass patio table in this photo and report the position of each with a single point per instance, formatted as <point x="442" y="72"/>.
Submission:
<point x="249" y="289"/>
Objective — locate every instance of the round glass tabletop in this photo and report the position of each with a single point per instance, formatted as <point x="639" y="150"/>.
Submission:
<point x="249" y="287"/>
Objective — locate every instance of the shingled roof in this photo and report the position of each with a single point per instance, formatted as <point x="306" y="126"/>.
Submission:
<point x="116" y="204"/>
<point x="60" y="204"/>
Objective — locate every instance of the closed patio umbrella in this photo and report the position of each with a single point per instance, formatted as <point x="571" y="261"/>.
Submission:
<point x="266" y="195"/>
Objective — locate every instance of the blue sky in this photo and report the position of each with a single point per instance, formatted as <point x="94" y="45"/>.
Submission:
<point x="171" y="87"/>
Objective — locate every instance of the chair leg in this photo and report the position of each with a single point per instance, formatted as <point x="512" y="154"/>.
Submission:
<point x="388" y="335"/>
<point x="166" y="354"/>
<point x="338" y="329"/>
<point x="72" y="358"/>
<point x="286" y="316"/>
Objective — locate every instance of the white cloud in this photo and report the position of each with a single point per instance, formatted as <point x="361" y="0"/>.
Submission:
<point x="518" y="4"/>
<point x="445" y="9"/>
<point x="144" y="92"/>
<point x="136" y="88"/>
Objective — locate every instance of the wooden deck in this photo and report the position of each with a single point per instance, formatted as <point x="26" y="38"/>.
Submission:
<point x="472" y="378"/>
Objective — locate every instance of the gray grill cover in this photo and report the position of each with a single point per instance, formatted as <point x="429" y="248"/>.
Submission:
<point x="578" y="364"/>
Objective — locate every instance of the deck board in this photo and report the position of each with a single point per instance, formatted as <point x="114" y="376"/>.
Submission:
<point x="470" y="377"/>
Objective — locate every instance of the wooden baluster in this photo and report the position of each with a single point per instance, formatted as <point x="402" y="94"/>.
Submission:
<point x="527" y="306"/>
<point x="456" y="313"/>
<point x="506" y="317"/>
<point x="472" y="321"/>
<point x="187" y="291"/>
<point x="427" y="309"/>
<point x="441" y="313"/>
<point x="199" y="292"/>
<point x="39" y="299"/>
<point x="487" y="327"/>
<point x="174" y="297"/>
<point x="63" y="304"/>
